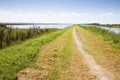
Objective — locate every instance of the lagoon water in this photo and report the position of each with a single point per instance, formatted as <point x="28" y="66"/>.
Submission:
<point x="60" y="26"/>
<point x="116" y="30"/>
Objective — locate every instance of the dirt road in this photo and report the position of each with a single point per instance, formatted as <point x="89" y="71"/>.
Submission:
<point x="50" y="54"/>
<point x="97" y="70"/>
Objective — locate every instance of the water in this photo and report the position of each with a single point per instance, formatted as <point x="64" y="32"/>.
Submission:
<point x="60" y="26"/>
<point x="116" y="30"/>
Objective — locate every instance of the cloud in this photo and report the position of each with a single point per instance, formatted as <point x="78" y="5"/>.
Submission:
<point x="107" y="14"/>
<point x="58" y="17"/>
<point x="48" y="16"/>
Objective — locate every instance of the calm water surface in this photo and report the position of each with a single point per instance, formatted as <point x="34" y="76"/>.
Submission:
<point x="116" y="30"/>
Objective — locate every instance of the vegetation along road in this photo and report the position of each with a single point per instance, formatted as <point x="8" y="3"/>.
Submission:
<point x="75" y="53"/>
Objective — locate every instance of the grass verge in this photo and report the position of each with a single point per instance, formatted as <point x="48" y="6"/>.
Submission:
<point x="15" y="58"/>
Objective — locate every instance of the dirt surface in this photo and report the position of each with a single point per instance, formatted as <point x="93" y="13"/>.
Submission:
<point x="100" y="72"/>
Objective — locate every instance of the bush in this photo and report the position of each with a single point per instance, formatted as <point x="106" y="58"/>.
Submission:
<point x="11" y="35"/>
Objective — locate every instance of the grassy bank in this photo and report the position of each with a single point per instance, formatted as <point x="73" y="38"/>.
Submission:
<point x="111" y="37"/>
<point x="17" y="57"/>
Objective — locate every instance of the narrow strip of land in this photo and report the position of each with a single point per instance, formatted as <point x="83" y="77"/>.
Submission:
<point x="77" y="58"/>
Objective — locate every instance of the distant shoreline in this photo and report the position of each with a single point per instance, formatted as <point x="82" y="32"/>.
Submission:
<point x="35" y="23"/>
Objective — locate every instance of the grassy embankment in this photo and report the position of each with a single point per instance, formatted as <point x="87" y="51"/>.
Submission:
<point x="104" y="53"/>
<point x="15" y="58"/>
<point x="106" y="35"/>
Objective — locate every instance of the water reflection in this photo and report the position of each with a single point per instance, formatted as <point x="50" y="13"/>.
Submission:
<point x="116" y="30"/>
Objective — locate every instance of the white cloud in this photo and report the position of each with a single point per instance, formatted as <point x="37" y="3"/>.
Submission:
<point x="57" y="17"/>
<point x="48" y="16"/>
<point x="107" y="14"/>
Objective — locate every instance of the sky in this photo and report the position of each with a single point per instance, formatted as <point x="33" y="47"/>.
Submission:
<point x="60" y="11"/>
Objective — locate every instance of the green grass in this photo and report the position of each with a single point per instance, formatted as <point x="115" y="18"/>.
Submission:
<point x="111" y="37"/>
<point x="63" y="63"/>
<point x="15" y="58"/>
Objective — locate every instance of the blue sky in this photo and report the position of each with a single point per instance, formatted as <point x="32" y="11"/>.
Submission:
<point x="60" y="11"/>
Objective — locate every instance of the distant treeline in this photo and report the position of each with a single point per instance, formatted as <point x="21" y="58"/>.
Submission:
<point x="93" y="24"/>
<point x="107" y="25"/>
<point x="112" y="25"/>
<point x="9" y="35"/>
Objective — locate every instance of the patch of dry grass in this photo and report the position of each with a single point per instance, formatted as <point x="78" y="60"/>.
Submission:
<point x="104" y="53"/>
<point x="77" y="70"/>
